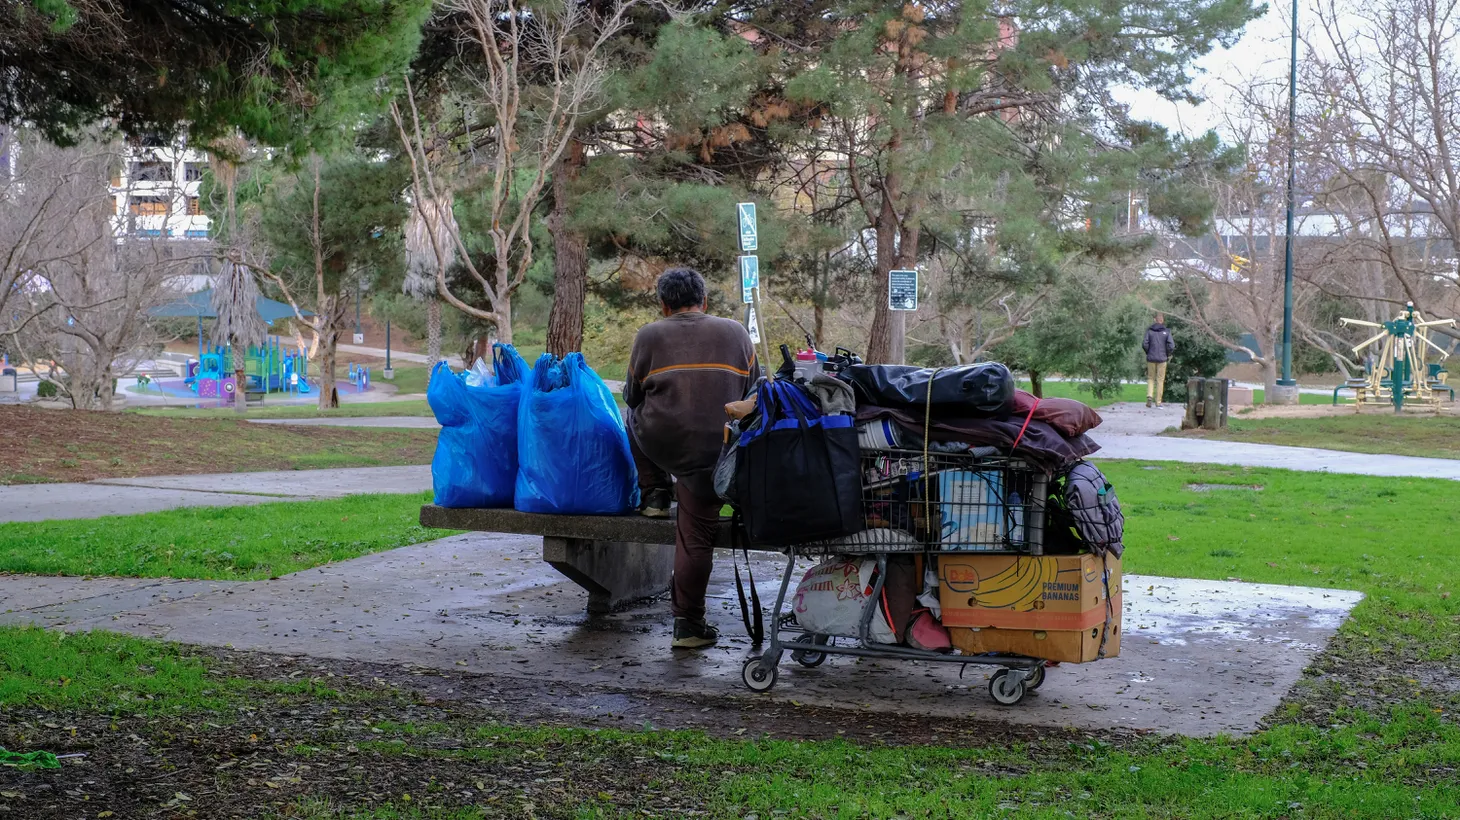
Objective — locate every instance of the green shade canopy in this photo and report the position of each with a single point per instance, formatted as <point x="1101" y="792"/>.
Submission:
<point x="200" y="305"/>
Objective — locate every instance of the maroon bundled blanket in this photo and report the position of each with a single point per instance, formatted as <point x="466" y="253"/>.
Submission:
<point x="1041" y="443"/>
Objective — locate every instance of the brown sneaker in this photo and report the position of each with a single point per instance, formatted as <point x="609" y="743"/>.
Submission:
<point x="690" y="634"/>
<point x="655" y="503"/>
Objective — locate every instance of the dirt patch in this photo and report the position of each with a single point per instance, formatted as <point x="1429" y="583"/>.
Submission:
<point x="395" y="731"/>
<point x="76" y="445"/>
<point x="1320" y="411"/>
<point x="443" y="739"/>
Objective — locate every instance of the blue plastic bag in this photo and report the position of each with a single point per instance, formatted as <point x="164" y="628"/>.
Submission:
<point x="572" y="446"/>
<point x="476" y="453"/>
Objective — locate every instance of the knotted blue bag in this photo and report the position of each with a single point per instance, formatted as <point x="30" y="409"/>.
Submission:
<point x="476" y="452"/>
<point x="573" y="449"/>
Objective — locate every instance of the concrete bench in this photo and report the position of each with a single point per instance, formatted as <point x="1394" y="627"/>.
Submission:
<point x="618" y="559"/>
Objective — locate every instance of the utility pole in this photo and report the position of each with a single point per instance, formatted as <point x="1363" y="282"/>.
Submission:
<point x="1287" y="392"/>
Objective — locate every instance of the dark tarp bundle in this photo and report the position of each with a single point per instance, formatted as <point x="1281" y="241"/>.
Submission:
<point x="983" y="389"/>
<point x="1041" y="443"/>
<point x="476" y="452"/>
<point x="573" y="449"/>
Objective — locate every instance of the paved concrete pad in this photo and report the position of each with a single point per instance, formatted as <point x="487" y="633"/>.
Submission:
<point x="1199" y="657"/>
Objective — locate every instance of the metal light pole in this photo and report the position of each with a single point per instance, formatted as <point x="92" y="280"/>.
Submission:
<point x="1287" y="379"/>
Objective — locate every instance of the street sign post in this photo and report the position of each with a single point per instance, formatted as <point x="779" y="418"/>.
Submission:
<point x="749" y="234"/>
<point x="902" y="290"/>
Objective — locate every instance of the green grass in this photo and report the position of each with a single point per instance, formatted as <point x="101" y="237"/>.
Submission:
<point x="217" y="543"/>
<point x="1429" y="436"/>
<point x="1259" y="396"/>
<point x="408" y="379"/>
<point x="1390" y="538"/>
<point x="117" y="673"/>
<point x="1129" y="391"/>
<point x="353" y="410"/>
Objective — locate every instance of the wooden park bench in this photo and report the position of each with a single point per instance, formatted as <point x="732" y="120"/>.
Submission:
<point x="618" y="559"/>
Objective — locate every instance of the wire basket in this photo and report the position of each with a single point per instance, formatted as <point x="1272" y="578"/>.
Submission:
<point x="945" y="502"/>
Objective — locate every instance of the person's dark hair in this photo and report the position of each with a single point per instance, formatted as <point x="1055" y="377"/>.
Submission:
<point x="681" y="288"/>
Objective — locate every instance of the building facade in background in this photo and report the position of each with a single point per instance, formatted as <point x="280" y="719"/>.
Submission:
<point x="156" y="191"/>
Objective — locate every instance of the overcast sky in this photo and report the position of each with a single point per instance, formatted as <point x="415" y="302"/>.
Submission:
<point x="1262" y="51"/>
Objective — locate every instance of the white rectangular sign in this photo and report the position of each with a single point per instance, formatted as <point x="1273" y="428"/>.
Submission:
<point x="902" y="290"/>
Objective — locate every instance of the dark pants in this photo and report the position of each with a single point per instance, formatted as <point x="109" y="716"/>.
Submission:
<point x="694" y="537"/>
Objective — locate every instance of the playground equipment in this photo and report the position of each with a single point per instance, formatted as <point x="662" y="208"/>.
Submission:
<point x="270" y="368"/>
<point x="360" y="377"/>
<point x="207" y="379"/>
<point x="1400" y="374"/>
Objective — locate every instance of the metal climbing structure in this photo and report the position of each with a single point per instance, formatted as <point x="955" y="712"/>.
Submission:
<point x="1400" y="372"/>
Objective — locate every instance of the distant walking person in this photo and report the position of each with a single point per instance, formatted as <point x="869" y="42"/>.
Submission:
<point x="1158" y="346"/>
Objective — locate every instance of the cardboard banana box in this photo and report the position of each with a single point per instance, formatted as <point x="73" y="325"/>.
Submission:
<point x="1046" y="592"/>
<point x="1063" y="645"/>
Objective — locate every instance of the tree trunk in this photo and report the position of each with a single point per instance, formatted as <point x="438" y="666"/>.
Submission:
<point x="504" y="323"/>
<point x="331" y="319"/>
<point x="1036" y="384"/>
<point x="881" y="342"/>
<point x="570" y="261"/>
<point x="433" y="330"/>
<point x="240" y="377"/>
<point x="1270" y="375"/>
<point x="818" y="324"/>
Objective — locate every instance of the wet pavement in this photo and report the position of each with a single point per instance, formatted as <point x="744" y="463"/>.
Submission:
<point x="1198" y="657"/>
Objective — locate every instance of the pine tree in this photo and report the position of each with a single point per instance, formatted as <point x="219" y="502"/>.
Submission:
<point x="951" y="115"/>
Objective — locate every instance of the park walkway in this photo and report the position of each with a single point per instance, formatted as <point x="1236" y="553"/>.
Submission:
<point x="125" y="496"/>
<point x="1129" y="431"/>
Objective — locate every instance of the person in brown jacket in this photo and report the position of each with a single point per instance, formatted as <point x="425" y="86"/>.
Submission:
<point x="683" y="370"/>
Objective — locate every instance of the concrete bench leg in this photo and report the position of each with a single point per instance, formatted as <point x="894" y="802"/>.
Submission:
<point x="613" y="573"/>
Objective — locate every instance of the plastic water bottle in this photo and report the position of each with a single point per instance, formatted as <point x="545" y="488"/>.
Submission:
<point x="808" y="365"/>
<point x="1016" y="516"/>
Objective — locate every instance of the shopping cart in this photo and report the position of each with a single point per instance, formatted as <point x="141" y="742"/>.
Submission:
<point x="924" y="503"/>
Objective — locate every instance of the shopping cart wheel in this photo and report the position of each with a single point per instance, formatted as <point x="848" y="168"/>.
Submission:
<point x="757" y="676"/>
<point x="807" y="657"/>
<point x="1036" y="678"/>
<point x="1006" y="688"/>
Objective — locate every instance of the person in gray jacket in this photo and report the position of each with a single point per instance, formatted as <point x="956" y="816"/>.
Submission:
<point x="1158" y="346"/>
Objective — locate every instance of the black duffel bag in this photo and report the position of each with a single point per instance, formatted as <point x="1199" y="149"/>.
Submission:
<point x="797" y="472"/>
<point x="982" y="389"/>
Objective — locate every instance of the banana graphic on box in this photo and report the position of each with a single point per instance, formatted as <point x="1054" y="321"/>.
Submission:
<point x="1019" y="587"/>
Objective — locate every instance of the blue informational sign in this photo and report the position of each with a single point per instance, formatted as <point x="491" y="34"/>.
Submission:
<point x="745" y="219"/>
<point x="902" y="290"/>
<point x="749" y="271"/>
